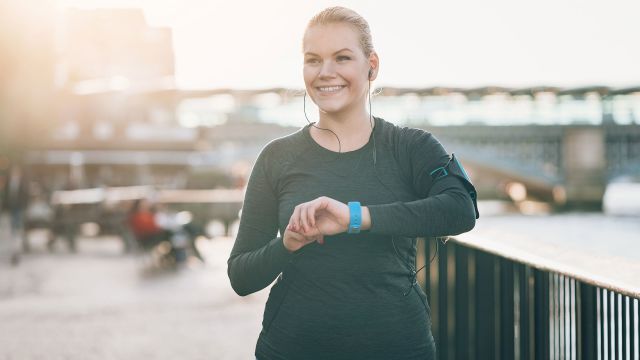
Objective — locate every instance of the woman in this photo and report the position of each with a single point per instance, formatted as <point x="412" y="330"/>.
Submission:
<point x="333" y="211"/>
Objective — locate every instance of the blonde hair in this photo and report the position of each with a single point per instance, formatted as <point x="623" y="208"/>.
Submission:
<point x="339" y="14"/>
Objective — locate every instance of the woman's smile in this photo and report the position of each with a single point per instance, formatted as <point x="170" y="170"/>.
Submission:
<point x="330" y="89"/>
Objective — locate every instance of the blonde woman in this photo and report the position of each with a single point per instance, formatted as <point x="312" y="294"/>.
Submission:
<point x="333" y="210"/>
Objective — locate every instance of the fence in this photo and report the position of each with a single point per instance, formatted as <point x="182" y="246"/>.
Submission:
<point x="488" y="305"/>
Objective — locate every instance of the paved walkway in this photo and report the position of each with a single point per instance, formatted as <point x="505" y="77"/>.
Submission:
<point x="101" y="304"/>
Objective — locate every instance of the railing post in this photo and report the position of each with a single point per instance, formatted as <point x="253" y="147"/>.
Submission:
<point x="443" y="306"/>
<point x="616" y="328"/>
<point x="587" y="345"/>
<point x="625" y="330"/>
<point x="507" y="339"/>
<point x="612" y="325"/>
<point x="526" y="323"/>
<point x="541" y="298"/>
<point x="602" y="325"/>
<point x="462" y="304"/>
<point x="633" y="333"/>
<point x="486" y="327"/>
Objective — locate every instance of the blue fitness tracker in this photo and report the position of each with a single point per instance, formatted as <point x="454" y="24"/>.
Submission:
<point x="355" y="217"/>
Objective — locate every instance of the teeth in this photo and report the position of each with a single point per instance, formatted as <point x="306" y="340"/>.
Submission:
<point x="330" y="88"/>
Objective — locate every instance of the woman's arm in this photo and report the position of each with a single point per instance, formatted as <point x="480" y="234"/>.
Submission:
<point x="443" y="207"/>
<point x="448" y="210"/>
<point x="258" y="255"/>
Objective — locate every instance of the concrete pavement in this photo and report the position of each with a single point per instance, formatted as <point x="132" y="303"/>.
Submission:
<point x="101" y="304"/>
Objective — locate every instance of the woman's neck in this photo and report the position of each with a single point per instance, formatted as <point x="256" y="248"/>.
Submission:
<point x="353" y="130"/>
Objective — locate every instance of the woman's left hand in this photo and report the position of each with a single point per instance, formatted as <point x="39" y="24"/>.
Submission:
<point x="322" y="216"/>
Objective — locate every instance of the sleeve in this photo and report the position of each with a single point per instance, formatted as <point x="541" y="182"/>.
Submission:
<point x="258" y="256"/>
<point x="444" y="207"/>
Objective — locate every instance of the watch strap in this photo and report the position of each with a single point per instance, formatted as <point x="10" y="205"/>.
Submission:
<point x="355" y="217"/>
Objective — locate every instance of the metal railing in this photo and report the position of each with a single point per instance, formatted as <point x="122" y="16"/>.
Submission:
<point x="486" y="306"/>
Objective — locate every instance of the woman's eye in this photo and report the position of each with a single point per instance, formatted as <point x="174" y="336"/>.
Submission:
<point x="343" y="58"/>
<point x="311" y="61"/>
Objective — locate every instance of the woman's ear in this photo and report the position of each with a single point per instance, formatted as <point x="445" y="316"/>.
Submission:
<point x="374" y="64"/>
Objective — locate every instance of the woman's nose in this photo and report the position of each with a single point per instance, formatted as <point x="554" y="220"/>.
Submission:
<point x="327" y="69"/>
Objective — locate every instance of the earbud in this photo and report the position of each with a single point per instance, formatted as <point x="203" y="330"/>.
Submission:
<point x="370" y="73"/>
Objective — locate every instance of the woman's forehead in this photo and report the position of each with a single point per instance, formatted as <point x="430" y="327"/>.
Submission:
<point x="330" y="38"/>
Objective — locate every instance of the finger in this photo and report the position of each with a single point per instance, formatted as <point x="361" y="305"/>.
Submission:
<point x="295" y="236"/>
<point x="299" y="238"/>
<point x="321" y="240"/>
<point x="294" y="220"/>
<point x="311" y="214"/>
<point x="304" y="218"/>
<point x="305" y="240"/>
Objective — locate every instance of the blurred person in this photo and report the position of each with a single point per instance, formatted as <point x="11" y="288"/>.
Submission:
<point x="63" y="225"/>
<point x="38" y="214"/>
<point x="180" y="225"/>
<point x="336" y="221"/>
<point x="144" y="225"/>
<point x="16" y="201"/>
<point x="152" y="224"/>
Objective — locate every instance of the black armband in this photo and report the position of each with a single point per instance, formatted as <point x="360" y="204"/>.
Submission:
<point x="454" y="167"/>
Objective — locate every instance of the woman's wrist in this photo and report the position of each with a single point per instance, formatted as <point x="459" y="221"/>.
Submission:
<point x="366" y="219"/>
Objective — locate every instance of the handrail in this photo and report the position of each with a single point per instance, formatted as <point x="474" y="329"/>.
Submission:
<point x="125" y="193"/>
<point x="537" y="287"/>
<point x="541" y="246"/>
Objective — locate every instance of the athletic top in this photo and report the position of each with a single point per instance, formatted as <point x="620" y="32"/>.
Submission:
<point x="354" y="297"/>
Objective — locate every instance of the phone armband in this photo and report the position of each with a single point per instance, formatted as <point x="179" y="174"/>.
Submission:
<point x="453" y="167"/>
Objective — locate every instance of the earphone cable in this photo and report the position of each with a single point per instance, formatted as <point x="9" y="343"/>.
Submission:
<point x="304" y="109"/>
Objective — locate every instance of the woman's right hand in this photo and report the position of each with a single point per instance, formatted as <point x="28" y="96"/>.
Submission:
<point x="294" y="241"/>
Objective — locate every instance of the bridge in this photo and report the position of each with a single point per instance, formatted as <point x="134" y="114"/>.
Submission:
<point x="566" y="164"/>
<point x="561" y="164"/>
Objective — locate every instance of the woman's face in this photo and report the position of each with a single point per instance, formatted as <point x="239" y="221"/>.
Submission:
<point x="335" y="68"/>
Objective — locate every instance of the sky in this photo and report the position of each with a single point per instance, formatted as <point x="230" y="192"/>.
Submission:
<point x="257" y="44"/>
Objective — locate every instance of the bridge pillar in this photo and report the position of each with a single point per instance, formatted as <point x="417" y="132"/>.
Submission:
<point x="584" y="166"/>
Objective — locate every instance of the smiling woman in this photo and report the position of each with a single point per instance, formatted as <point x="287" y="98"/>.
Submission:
<point x="336" y="221"/>
<point x="337" y="70"/>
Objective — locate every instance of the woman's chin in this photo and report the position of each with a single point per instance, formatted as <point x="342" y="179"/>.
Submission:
<point x="331" y="108"/>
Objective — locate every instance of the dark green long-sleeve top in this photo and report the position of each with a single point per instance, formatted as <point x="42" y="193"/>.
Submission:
<point x="351" y="298"/>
